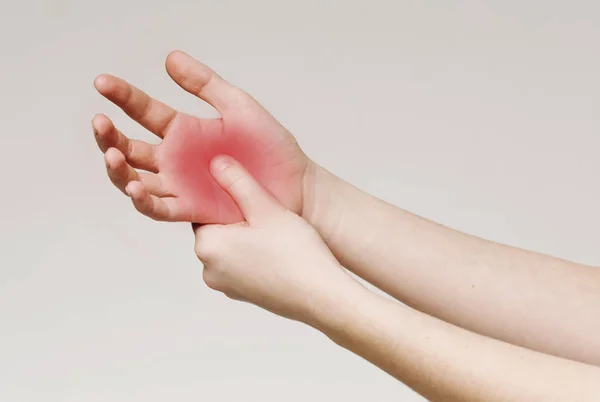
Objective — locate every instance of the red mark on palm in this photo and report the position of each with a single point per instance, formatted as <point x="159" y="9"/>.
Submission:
<point x="269" y="154"/>
<point x="177" y="184"/>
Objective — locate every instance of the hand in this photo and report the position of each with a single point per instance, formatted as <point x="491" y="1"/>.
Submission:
<point x="273" y="259"/>
<point x="174" y="183"/>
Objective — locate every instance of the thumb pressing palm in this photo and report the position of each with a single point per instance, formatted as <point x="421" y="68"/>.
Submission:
<point x="275" y="259"/>
<point x="171" y="180"/>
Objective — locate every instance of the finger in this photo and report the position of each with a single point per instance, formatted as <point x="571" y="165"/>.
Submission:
<point x="121" y="173"/>
<point x="139" y="154"/>
<point x="252" y="199"/>
<point x="160" y="209"/>
<point x="198" y="79"/>
<point x="150" y="113"/>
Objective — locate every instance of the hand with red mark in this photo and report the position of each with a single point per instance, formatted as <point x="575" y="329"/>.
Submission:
<point x="274" y="258"/>
<point x="171" y="181"/>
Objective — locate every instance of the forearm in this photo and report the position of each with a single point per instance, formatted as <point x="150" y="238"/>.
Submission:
<point x="446" y="363"/>
<point x="525" y="298"/>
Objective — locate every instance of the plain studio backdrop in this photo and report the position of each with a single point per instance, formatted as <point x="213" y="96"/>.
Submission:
<point x="480" y="115"/>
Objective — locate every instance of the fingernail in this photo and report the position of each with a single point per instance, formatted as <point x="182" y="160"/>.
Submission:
<point x="220" y="163"/>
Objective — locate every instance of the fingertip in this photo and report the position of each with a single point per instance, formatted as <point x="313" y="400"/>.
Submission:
<point x="128" y="191"/>
<point x="171" y="62"/>
<point x="139" y="197"/>
<point x="201" y="81"/>
<point x="149" y="205"/>
<point x="220" y="163"/>
<point x="136" y="190"/>
<point x="251" y="198"/>
<point x="174" y="54"/>
<point x="101" y="124"/>
<point x="114" y="158"/>
<point x="115" y="155"/>
<point x="102" y="129"/>
<point x="175" y="57"/>
<point x="101" y="82"/>
<point x="98" y="119"/>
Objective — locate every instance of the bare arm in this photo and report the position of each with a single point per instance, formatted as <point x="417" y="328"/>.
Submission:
<point x="524" y="298"/>
<point x="279" y="262"/>
<point x="446" y="363"/>
<point x="521" y="297"/>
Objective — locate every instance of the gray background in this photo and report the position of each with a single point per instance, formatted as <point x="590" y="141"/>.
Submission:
<point x="480" y="115"/>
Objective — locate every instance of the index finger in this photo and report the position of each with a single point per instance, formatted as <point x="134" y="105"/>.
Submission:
<point x="150" y="113"/>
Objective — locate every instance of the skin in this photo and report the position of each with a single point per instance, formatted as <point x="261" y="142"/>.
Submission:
<point x="175" y="183"/>
<point x="521" y="297"/>
<point x="277" y="261"/>
<point x="527" y="299"/>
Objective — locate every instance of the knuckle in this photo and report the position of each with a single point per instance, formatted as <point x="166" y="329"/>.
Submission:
<point x="234" y="296"/>
<point x="242" y="99"/>
<point x="128" y="147"/>
<point x="210" y="279"/>
<point x="197" y="78"/>
<point x="154" y="216"/>
<point x="236" y="180"/>
<point x="202" y="249"/>
<point x="207" y="242"/>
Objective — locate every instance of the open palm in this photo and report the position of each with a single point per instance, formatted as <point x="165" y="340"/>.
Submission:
<point x="171" y="181"/>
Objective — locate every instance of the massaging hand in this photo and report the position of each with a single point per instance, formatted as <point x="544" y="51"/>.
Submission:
<point x="174" y="183"/>
<point x="274" y="258"/>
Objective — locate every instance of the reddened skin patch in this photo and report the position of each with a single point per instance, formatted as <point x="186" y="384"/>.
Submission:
<point x="185" y="155"/>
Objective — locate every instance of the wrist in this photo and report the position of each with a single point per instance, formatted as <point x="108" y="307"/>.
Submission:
<point x="331" y="311"/>
<point x="309" y="185"/>
<point x="321" y="206"/>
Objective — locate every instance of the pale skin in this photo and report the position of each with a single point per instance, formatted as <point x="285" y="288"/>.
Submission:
<point x="482" y="321"/>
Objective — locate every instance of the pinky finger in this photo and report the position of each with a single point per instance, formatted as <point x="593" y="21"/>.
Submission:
<point x="160" y="209"/>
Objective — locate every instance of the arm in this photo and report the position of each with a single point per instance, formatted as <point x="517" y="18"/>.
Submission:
<point x="446" y="363"/>
<point x="521" y="297"/>
<point x="277" y="261"/>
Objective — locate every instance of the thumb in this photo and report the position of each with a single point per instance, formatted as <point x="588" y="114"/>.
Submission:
<point x="201" y="81"/>
<point x="252" y="199"/>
